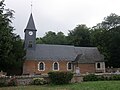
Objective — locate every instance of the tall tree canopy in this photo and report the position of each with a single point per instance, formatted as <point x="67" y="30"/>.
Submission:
<point x="11" y="50"/>
<point x="106" y="36"/>
<point x="80" y="36"/>
<point x="111" y="21"/>
<point x="53" y="38"/>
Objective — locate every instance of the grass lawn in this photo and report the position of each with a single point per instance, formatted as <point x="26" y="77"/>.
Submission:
<point x="98" y="85"/>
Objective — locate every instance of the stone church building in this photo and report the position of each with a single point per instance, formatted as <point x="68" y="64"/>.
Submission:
<point x="43" y="58"/>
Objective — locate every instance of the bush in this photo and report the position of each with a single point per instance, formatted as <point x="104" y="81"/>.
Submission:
<point x="12" y="82"/>
<point x="90" y="77"/>
<point x="38" y="81"/>
<point x="3" y="82"/>
<point x="115" y="77"/>
<point x="60" y="77"/>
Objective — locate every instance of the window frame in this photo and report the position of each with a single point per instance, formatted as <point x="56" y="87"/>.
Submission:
<point x="39" y="66"/>
<point x="54" y="67"/>
<point x="98" y="65"/>
<point x="68" y="66"/>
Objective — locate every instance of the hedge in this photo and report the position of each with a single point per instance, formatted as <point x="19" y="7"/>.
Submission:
<point x="93" y="77"/>
<point x="63" y="77"/>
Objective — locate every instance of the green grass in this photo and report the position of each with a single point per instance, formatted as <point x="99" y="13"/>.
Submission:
<point x="98" y="85"/>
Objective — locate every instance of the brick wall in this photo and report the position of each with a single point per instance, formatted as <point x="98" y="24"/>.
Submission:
<point x="31" y="66"/>
<point x="84" y="68"/>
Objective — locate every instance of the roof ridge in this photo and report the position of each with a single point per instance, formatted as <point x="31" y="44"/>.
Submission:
<point x="55" y="45"/>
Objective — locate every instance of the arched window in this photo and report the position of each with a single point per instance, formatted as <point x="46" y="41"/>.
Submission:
<point x="56" y="66"/>
<point x="98" y="65"/>
<point x="41" y="66"/>
<point x="69" y="66"/>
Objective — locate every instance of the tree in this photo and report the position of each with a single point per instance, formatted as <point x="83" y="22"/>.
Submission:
<point x="39" y="41"/>
<point x="10" y="54"/>
<point x="61" y="38"/>
<point x="53" y="38"/>
<point x="111" y="21"/>
<point x="99" y="38"/>
<point x="106" y="36"/>
<point x="49" y="38"/>
<point x="5" y="35"/>
<point x="114" y="47"/>
<point x="80" y="36"/>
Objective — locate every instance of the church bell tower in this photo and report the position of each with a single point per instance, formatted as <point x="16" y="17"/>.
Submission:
<point x="30" y="35"/>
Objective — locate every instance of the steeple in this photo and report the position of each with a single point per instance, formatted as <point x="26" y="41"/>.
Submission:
<point x="31" y="25"/>
<point x="30" y="34"/>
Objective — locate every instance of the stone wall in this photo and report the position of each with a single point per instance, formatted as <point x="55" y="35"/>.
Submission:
<point x="112" y="70"/>
<point x="27" y="80"/>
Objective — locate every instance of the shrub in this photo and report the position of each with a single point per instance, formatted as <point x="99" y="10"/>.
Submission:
<point x="90" y="77"/>
<point x="2" y="82"/>
<point x="12" y="82"/>
<point x="115" y="77"/>
<point x="38" y="81"/>
<point x="60" y="77"/>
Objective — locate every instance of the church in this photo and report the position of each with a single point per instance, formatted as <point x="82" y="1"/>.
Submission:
<point x="43" y="58"/>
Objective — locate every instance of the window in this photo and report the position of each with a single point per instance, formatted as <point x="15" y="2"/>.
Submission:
<point x="98" y="65"/>
<point x="30" y="44"/>
<point x="69" y="66"/>
<point x="55" y="66"/>
<point x="41" y="66"/>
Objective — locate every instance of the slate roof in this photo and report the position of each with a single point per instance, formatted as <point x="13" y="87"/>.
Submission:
<point x="64" y="52"/>
<point x="88" y="55"/>
<point x="31" y="24"/>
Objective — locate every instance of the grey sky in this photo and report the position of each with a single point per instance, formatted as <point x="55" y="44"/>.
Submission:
<point x="60" y="15"/>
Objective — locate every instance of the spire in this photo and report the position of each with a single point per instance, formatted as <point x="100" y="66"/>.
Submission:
<point x="31" y="6"/>
<point x="31" y="24"/>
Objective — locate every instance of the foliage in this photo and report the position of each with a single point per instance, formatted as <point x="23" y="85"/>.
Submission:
<point x="80" y="36"/>
<point x="114" y="77"/>
<point x="60" y="77"/>
<point x="111" y="21"/>
<point x="12" y="82"/>
<point x="10" y="55"/>
<point x="106" y="36"/>
<point x="39" y="81"/>
<point x="53" y="38"/>
<point x="3" y="82"/>
<point x="90" y="77"/>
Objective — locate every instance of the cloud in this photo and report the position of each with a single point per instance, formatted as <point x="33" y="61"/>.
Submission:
<point x="61" y="15"/>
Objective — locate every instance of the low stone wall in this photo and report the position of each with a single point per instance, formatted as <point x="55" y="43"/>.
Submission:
<point x="26" y="80"/>
<point x="77" y="79"/>
<point x="112" y="70"/>
<point x="23" y="80"/>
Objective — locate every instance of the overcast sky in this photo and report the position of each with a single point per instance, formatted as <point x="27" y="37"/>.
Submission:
<point x="60" y="15"/>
